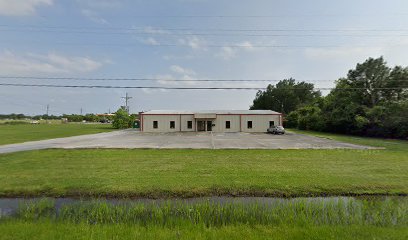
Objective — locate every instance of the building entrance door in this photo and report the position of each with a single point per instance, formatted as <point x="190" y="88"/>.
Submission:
<point x="200" y="126"/>
<point x="203" y="126"/>
<point x="209" y="126"/>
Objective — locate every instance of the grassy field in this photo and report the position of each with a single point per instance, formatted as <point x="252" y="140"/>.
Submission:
<point x="187" y="173"/>
<point x="389" y="144"/>
<point x="51" y="230"/>
<point x="31" y="132"/>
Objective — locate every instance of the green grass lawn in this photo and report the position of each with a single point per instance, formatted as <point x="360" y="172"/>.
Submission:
<point x="186" y="173"/>
<point x="390" y="144"/>
<point x="51" y="230"/>
<point x="31" y="132"/>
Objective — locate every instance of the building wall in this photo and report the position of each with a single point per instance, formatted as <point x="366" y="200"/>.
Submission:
<point x="220" y="123"/>
<point x="163" y="123"/>
<point x="184" y="125"/>
<point x="260" y="123"/>
<point x="238" y="123"/>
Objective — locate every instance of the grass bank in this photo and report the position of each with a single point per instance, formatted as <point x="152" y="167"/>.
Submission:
<point x="343" y="211"/>
<point x="10" y="133"/>
<point x="344" y="218"/>
<point x="50" y="230"/>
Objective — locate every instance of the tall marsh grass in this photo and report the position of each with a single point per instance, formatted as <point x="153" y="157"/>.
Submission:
<point x="208" y="213"/>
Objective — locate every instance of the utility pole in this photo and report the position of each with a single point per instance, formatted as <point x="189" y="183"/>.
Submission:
<point x="127" y="98"/>
<point x="81" y="111"/>
<point x="282" y="108"/>
<point x="48" y="109"/>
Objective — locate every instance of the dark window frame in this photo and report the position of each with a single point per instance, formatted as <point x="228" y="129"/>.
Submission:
<point x="155" y="124"/>
<point x="249" y="124"/>
<point x="227" y="124"/>
<point x="189" y="124"/>
<point x="271" y="125"/>
<point x="172" y="124"/>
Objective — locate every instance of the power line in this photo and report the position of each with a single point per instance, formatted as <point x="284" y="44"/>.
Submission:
<point x="180" y="88"/>
<point x="164" y="30"/>
<point x="291" y="15"/>
<point x="219" y="46"/>
<point x="211" y="34"/>
<point x="166" y="79"/>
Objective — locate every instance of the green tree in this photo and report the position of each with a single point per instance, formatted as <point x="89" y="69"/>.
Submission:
<point x="286" y="96"/>
<point x="122" y="120"/>
<point x="370" y="101"/>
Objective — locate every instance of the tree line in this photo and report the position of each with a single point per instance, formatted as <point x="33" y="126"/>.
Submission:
<point x="371" y="101"/>
<point x="69" y="117"/>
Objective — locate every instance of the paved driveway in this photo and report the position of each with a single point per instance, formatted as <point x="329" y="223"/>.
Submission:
<point x="135" y="139"/>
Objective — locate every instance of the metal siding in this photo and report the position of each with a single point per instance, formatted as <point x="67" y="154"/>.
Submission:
<point x="260" y="123"/>
<point x="184" y="119"/>
<point x="163" y="122"/>
<point x="220" y="123"/>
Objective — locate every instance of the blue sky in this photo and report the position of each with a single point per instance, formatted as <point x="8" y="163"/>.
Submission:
<point x="129" y="39"/>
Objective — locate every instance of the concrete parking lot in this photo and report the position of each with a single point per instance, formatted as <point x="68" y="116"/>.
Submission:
<point x="135" y="139"/>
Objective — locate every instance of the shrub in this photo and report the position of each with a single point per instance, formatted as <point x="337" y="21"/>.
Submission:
<point x="122" y="120"/>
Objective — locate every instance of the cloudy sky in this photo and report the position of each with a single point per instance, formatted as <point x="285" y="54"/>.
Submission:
<point x="315" y="40"/>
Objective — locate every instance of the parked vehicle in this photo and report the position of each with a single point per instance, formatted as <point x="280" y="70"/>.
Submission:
<point x="276" y="130"/>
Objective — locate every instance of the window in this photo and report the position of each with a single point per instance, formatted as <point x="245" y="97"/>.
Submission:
<point x="227" y="124"/>
<point x="172" y="124"/>
<point x="249" y="124"/>
<point x="190" y="124"/>
<point x="155" y="124"/>
<point x="271" y="124"/>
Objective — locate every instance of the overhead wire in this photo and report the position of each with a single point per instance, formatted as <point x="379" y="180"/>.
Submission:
<point x="181" y="88"/>
<point x="165" y="79"/>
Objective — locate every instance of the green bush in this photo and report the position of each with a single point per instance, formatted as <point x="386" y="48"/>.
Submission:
<point x="292" y="120"/>
<point x="122" y="119"/>
<point x="16" y="123"/>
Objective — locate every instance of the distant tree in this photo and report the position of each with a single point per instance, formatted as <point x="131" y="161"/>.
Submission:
<point x="286" y="96"/>
<point x="122" y="120"/>
<point x="74" y="117"/>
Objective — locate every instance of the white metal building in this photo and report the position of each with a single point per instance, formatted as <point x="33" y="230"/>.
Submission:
<point x="252" y="121"/>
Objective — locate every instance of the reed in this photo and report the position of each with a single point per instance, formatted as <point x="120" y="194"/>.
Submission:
<point x="384" y="212"/>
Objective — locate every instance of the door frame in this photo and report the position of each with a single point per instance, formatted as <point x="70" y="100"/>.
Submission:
<point x="206" y="127"/>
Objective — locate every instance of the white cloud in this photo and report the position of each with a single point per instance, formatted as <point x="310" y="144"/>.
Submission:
<point x="93" y="16"/>
<point x="228" y="52"/>
<point x="21" y="7"/>
<point x="100" y="4"/>
<point x="93" y="9"/>
<point x="181" y="70"/>
<point x="151" y="41"/>
<point x="52" y="63"/>
<point x="153" y="30"/>
<point x="193" y="42"/>
<point x="178" y="73"/>
<point x="247" y="45"/>
<point x="342" y="52"/>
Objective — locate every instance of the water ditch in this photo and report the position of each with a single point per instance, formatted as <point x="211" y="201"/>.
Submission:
<point x="213" y="211"/>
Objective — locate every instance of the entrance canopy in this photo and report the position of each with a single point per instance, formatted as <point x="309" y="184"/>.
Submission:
<point x="205" y="116"/>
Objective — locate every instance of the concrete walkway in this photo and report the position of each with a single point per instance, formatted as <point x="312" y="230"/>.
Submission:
<point x="135" y="139"/>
